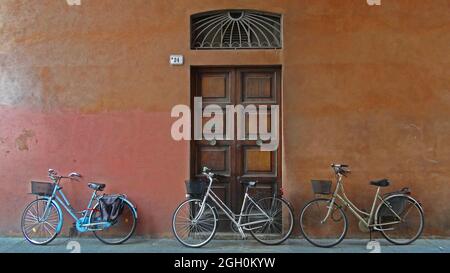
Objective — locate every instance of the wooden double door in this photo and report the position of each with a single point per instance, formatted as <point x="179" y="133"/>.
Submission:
<point x="238" y="160"/>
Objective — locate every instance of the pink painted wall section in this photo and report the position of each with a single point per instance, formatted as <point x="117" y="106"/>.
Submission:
<point x="116" y="148"/>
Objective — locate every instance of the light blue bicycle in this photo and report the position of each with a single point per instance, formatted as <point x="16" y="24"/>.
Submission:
<point x="42" y="219"/>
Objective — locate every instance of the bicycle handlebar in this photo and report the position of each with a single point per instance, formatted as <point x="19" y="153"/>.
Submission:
<point x="208" y="172"/>
<point x="341" y="169"/>
<point x="72" y="176"/>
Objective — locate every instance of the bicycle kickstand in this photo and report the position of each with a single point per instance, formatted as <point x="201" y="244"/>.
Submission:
<point x="73" y="232"/>
<point x="242" y="233"/>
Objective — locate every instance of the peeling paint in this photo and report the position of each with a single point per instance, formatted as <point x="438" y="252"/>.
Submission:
<point x="420" y="143"/>
<point x="22" y="140"/>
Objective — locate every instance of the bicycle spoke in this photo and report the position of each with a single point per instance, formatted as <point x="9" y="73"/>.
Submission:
<point x="51" y="225"/>
<point x="194" y="233"/>
<point x="403" y="216"/>
<point x="323" y="234"/>
<point x="33" y="228"/>
<point x="120" y="230"/>
<point x="33" y="216"/>
<point x="276" y="212"/>
<point x="28" y="228"/>
<point x="269" y="230"/>
<point x="46" y="229"/>
<point x="410" y="226"/>
<point x="27" y="218"/>
<point x="278" y="228"/>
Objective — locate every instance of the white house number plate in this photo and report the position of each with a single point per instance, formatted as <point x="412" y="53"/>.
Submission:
<point x="176" y="59"/>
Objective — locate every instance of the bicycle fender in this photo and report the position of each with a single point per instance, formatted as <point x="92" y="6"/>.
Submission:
<point x="134" y="208"/>
<point x="61" y="217"/>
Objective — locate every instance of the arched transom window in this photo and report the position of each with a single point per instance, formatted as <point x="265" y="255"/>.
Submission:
<point x="235" y="29"/>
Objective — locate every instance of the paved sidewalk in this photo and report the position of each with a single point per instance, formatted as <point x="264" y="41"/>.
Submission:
<point x="143" y="245"/>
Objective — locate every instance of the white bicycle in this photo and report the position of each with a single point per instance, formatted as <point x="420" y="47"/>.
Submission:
<point x="269" y="220"/>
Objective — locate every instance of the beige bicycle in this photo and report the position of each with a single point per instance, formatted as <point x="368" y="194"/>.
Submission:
<point x="323" y="222"/>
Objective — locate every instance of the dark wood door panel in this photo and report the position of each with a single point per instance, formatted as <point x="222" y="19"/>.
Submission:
<point x="215" y="86"/>
<point x="217" y="157"/>
<point x="239" y="160"/>
<point x="258" y="86"/>
<point x="257" y="163"/>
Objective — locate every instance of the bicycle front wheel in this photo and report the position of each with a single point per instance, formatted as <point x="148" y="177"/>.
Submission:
<point x="191" y="228"/>
<point x="401" y="231"/>
<point x="119" y="230"/>
<point x="319" y="231"/>
<point x="275" y="228"/>
<point x="37" y="228"/>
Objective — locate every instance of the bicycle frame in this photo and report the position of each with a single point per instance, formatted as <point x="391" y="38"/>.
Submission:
<point x="235" y="218"/>
<point x="368" y="220"/>
<point x="81" y="223"/>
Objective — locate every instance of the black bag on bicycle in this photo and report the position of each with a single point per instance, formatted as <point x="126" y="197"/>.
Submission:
<point x="398" y="205"/>
<point x="111" y="207"/>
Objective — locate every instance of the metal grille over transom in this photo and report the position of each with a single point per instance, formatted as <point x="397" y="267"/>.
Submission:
<point x="234" y="29"/>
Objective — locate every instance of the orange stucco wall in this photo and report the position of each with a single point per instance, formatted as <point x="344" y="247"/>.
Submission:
<point x="89" y="88"/>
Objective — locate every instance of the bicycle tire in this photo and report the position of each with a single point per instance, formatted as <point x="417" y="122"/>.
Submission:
<point x="174" y="224"/>
<point x="313" y="242"/>
<point x="271" y="212"/>
<point x="23" y="219"/>
<point x="120" y="241"/>
<point x="419" y="209"/>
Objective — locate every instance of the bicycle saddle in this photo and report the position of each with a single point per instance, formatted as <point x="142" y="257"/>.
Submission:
<point x="380" y="183"/>
<point x="220" y="176"/>
<point x="96" y="186"/>
<point x="249" y="184"/>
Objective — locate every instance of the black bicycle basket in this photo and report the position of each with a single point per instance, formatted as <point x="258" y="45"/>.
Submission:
<point x="321" y="186"/>
<point x="42" y="188"/>
<point x="195" y="187"/>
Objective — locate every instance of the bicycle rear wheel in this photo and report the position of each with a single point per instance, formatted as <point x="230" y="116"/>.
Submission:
<point x="319" y="233"/>
<point x="192" y="229"/>
<point x="36" y="228"/>
<point x="278" y="227"/>
<point x="121" y="229"/>
<point x="406" y="230"/>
